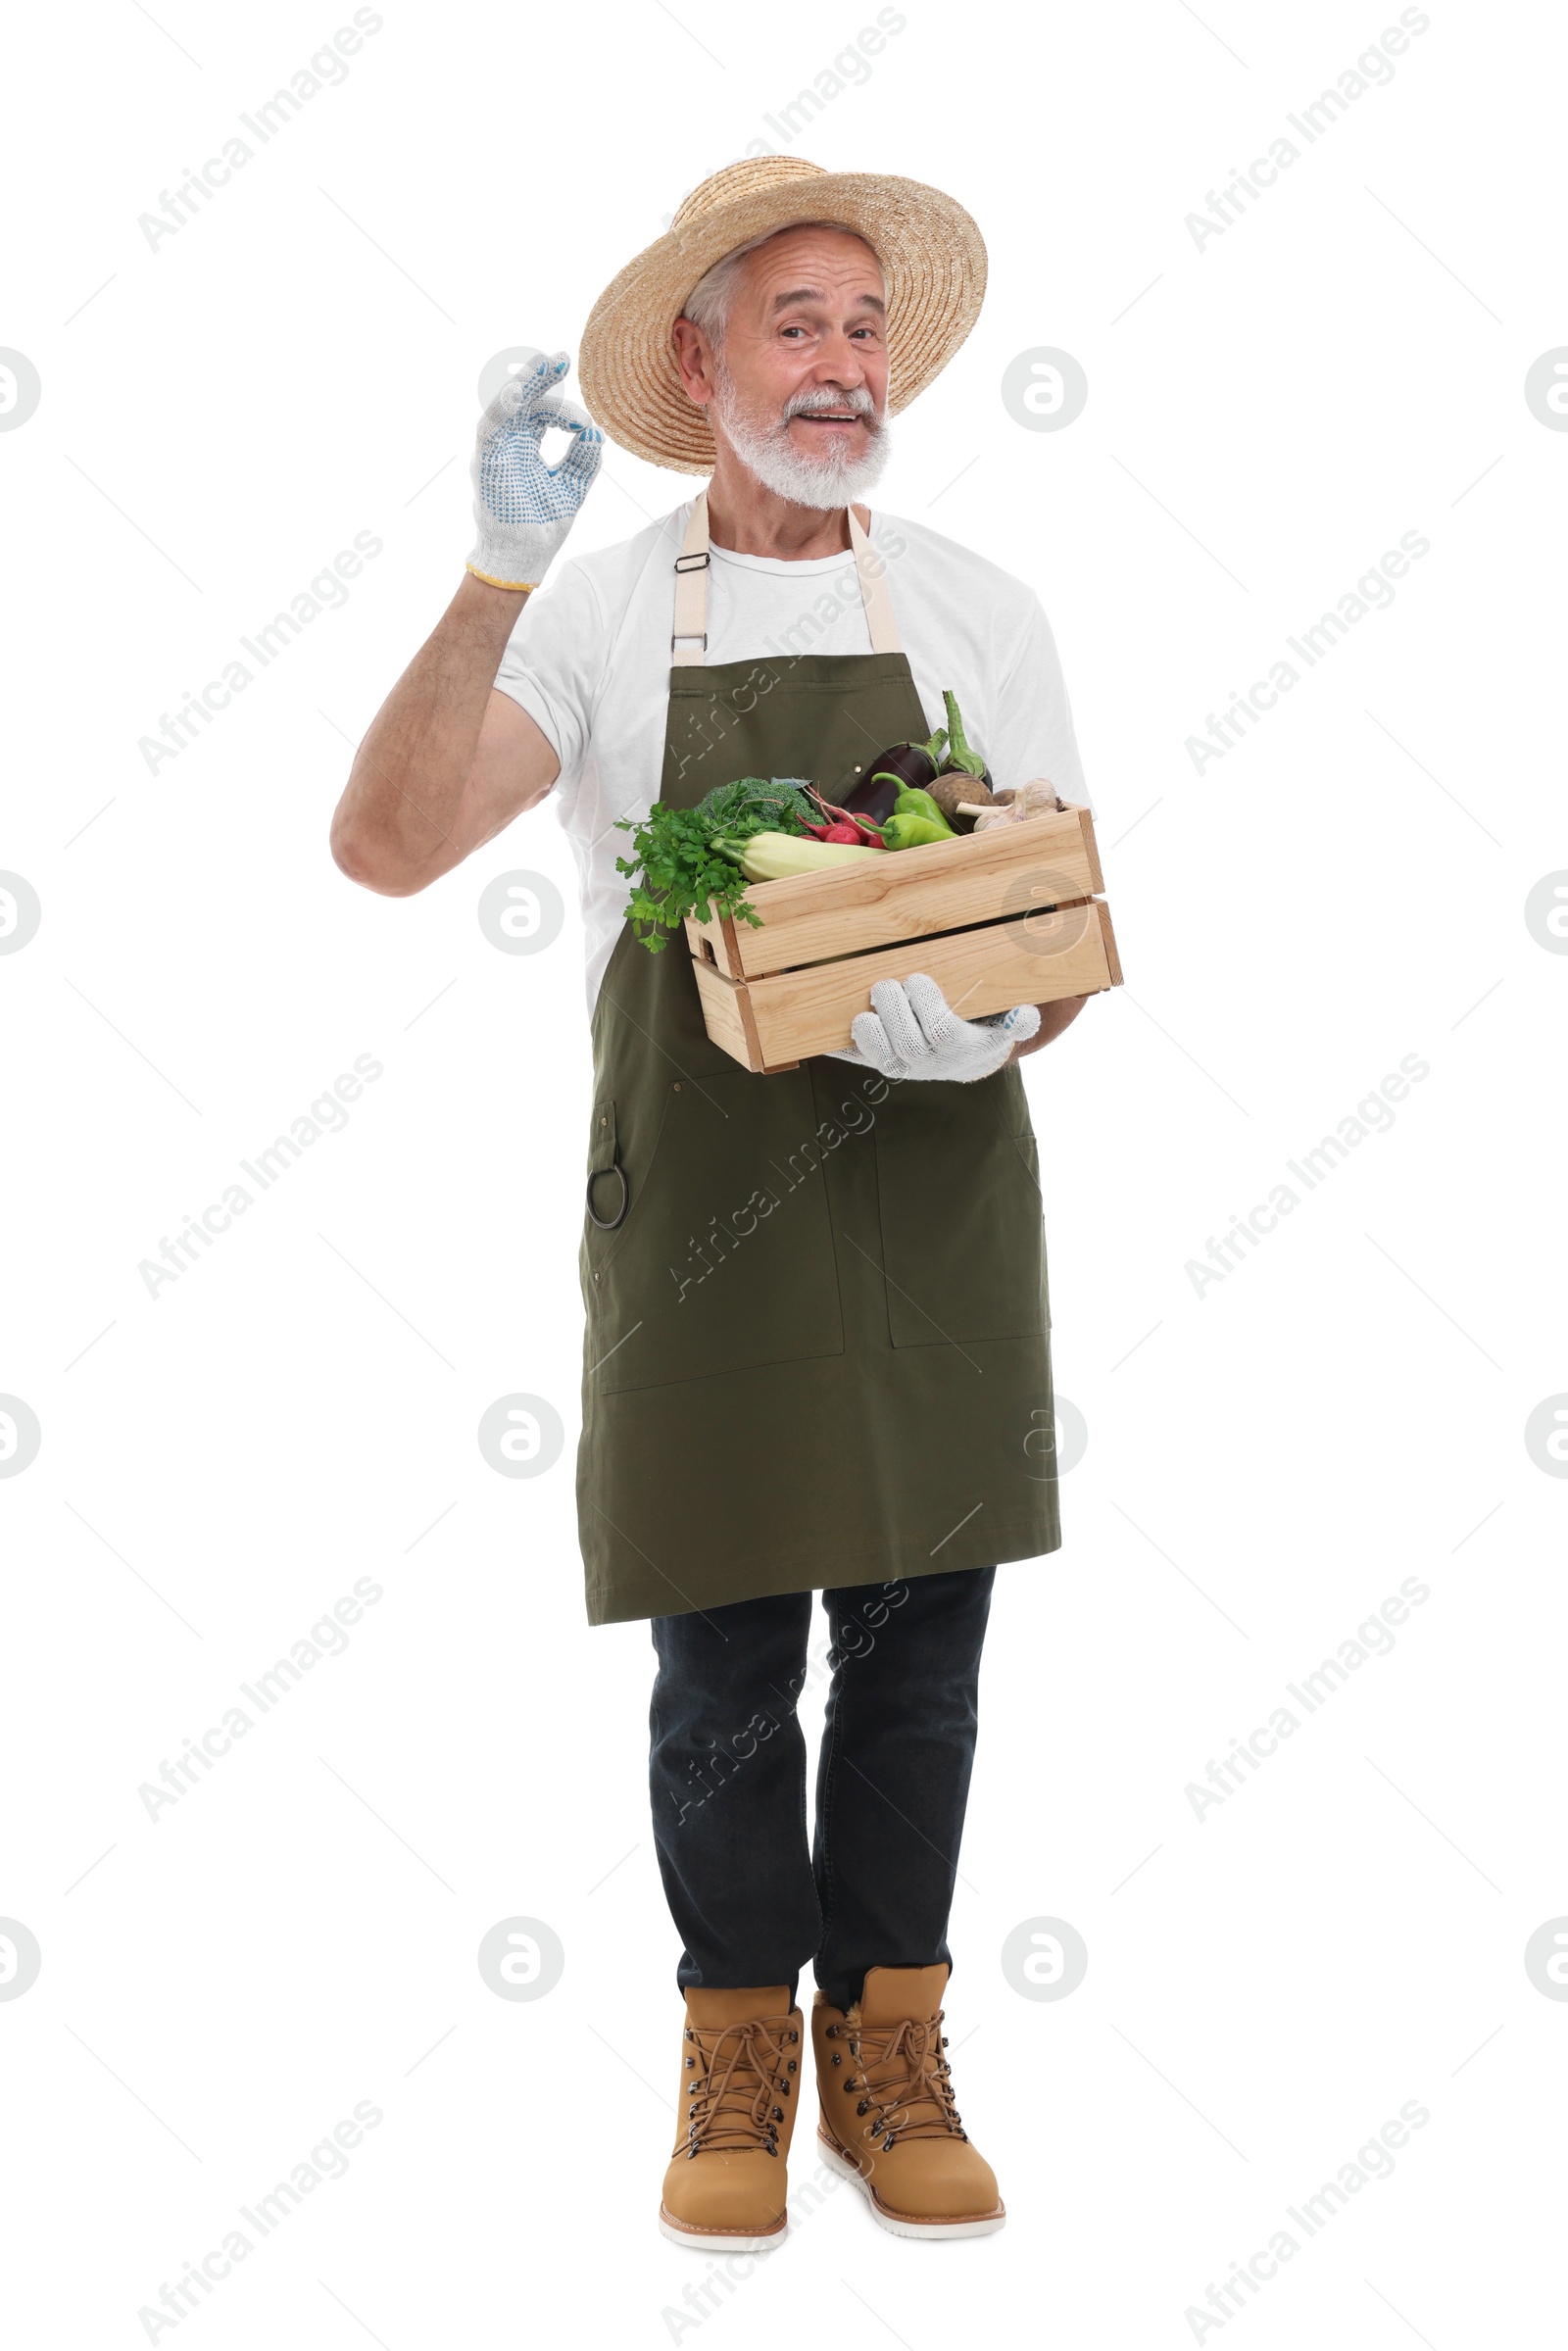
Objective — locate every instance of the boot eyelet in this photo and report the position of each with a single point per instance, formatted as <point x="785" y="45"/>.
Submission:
<point x="836" y="2058"/>
<point x="778" y="2114"/>
<point x="861" y="2108"/>
<point x="790" y="2066"/>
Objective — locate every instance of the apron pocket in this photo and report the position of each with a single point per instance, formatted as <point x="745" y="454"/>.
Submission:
<point x="725" y="1259"/>
<point x="962" y="1238"/>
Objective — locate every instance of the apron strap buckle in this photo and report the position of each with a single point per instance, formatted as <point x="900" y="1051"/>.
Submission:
<point x="688" y="646"/>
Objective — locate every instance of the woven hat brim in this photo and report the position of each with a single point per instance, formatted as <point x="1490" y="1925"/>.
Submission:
<point x="933" y="260"/>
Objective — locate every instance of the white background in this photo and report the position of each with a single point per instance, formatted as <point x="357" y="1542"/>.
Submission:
<point x="1265" y="1462"/>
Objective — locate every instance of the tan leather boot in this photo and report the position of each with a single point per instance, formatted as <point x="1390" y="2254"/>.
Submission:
<point x="888" y="2116"/>
<point x="740" y="2083"/>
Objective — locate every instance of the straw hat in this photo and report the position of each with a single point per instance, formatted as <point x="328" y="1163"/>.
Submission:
<point x="933" y="260"/>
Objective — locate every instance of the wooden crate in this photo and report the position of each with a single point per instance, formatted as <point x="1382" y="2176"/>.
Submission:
<point x="1006" y="916"/>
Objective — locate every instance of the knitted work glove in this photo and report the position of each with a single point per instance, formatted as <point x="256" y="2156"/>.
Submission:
<point x="914" y="1033"/>
<point x="524" y="508"/>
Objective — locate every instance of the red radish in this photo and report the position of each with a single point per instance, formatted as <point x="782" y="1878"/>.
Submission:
<point x="862" y="832"/>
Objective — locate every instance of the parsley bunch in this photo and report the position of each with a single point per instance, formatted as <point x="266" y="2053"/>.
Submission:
<point x="675" y="867"/>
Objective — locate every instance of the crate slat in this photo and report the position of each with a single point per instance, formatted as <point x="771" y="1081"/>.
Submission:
<point x="777" y="1021"/>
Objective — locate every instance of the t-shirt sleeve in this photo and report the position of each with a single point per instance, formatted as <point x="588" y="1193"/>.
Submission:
<point x="552" y="666"/>
<point x="1036" y="737"/>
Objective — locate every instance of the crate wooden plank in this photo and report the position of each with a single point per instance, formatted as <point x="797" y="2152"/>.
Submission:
<point x="907" y="892"/>
<point x="1112" y="957"/>
<point x="722" y="1016"/>
<point x="777" y="1021"/>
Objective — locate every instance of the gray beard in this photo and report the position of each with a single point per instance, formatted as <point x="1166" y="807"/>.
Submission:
<point x="833" y="479"/>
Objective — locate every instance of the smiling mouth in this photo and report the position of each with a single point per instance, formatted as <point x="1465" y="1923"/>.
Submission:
<point x="838" y="417"/>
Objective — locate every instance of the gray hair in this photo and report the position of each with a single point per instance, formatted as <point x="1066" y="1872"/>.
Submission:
<point x="708" y="304"/>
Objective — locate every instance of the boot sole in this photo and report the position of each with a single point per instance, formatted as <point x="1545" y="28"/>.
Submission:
<point x="899" y="2224"/>
<point x="721" y="2240"/>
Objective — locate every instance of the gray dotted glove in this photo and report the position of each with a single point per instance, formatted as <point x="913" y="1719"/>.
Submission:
<point x="524" y="508"/>
<point x="914" y="1032"/>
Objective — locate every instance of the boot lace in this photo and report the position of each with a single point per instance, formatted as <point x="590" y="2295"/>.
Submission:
<point x="905" y="2081"/>
<point x="739" y="2075"/>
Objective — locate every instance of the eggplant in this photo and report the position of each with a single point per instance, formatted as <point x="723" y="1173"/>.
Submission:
<point x="907" y="766"/>
<point x="960" y="759"/>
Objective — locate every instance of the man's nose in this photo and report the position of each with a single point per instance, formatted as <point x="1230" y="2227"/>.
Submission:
<point x="838" y="362"/>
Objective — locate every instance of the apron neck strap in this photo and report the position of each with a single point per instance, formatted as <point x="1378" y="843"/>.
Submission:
<point x="688" y="644"/>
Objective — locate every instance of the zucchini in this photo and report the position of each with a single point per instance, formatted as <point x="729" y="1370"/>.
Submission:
<point x="782" y="857"/>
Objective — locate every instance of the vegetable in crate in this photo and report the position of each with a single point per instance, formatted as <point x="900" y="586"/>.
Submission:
<point x="894" y="772"/>
<point x="915" y="820"/>
<point x="676" y="866"/>
<point x="1016" y="807"/>
<point x="963" y="788"/>
<point x="840" y="826"/>
<point x="945" y="767"/>
<point x="960" y="759"/>
<point x="784" y="856"/>
<point x="908" y="831"/>
<point x="921" y="803"/>
<point x="960" y="798"/>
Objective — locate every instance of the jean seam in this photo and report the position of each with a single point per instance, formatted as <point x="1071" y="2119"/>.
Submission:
<point x="834" y="1737"/>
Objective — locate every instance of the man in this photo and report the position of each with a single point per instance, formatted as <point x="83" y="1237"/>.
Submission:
<point x="817" y="1346"/>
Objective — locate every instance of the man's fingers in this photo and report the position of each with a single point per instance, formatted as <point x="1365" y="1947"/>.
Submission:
<point x="580" y="461"/>
<point x="522" y="392"/>
<point x="873" y="1040"/>
<point x="938" y="1020"/>
<point x="904" y="1032"/>
<point x="555" y="409"/>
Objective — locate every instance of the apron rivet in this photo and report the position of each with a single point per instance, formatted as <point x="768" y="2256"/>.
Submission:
<point x="677" y="1085"/>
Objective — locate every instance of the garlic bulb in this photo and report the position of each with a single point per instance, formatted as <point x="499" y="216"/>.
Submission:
<point x="1038" y="799"/>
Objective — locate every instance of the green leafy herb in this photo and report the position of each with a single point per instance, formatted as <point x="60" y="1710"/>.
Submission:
<point x="676" y="866"/>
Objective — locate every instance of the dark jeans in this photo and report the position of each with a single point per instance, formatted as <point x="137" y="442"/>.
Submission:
<point x="728" y="1779"/>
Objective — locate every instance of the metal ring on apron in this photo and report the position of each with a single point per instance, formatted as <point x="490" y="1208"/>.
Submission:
<point x="610" y="1224"/>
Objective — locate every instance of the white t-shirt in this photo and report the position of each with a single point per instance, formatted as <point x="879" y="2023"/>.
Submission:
<point x="589" y="662"/>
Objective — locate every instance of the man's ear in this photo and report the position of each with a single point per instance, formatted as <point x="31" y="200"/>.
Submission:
<point x="695" y="360"/>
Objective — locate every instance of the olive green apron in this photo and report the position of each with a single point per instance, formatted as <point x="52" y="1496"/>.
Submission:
<point x="818" y="1343"/>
